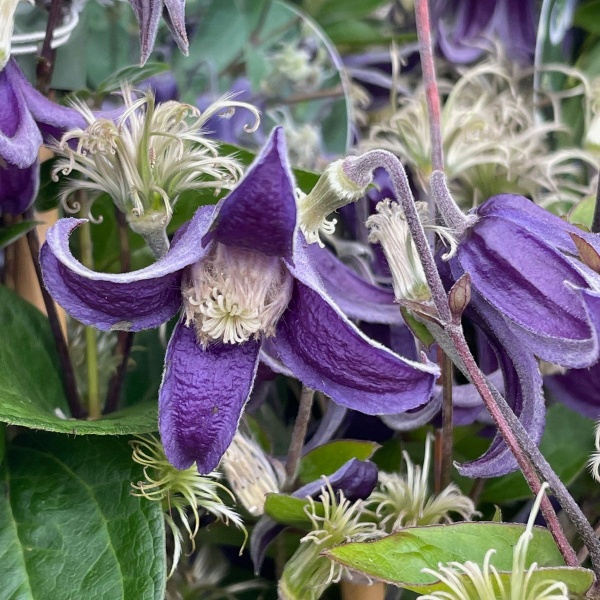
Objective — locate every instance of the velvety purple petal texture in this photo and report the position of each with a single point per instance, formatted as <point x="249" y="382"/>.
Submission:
<point x="202" y="396"/>
<point x="20" y="139"/>
<point x="357" y="298"/>
<point x="260" y="213"/>
<point x="328" y="353"/>
<point x="520" y="260"/>
<point x="148" y="13"/>
<point x="174" y="16"/>
<point x="18" y="188"/>
<point x="130" y="301"/>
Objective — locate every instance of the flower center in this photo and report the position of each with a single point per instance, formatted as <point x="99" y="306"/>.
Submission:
<point x="234" y="295"/>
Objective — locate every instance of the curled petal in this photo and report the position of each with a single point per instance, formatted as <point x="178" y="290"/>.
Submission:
<point x="20" y="139"/>
<point x="202" y="396"/>
<point x="131" y="301"/>
<point x="357" y="298"/>
<point x="260" y="213"/>
<point x="522" y="390"/>
<point x="328" y="353"/>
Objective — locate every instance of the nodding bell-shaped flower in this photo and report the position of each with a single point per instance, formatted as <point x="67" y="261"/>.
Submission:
<point x="241" y="274"/>
<point x="333" y="190"/>
<point x="533" y="270"/>
<point x="144" y="161"/>
<point x="469" y="581"/>
<point x="148" y="13"/>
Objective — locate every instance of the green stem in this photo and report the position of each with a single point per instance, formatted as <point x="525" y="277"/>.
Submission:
<point x="91" y="346"/>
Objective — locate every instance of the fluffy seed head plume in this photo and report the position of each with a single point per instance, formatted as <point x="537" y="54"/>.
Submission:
<point x="334" y="520"/>
<point x="493" y="141"/>
<point x="180" y="491"/>
<point x="250" y="473"/>
<point x="594" y="462"/>
<point x="404" y="500"/>
<point x="147" y="158"/>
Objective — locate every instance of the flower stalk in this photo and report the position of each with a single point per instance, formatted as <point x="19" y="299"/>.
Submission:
<point x="298" y="435"/>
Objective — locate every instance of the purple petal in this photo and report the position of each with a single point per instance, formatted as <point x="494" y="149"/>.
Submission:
<point x="328" y="353"/>
<point x="131" y="301"/>
<point x="52" y="119"/>
<point x="357" y="298"/>
<point x="356" y="479"/>
<point x="526" y="280"/>
<point x="407" y="421"/>
<point x="18" y="188"/>
<point x="20" y="139"/>
<point x="328" y="425"/>
<point x="578" y="389"/>
<point x="202" y="396"/>
<point x="260" y="213"/>
<point x="527" y="215"/>
<point x="523" y="390"/>
<point x="174" y="15"/>
<point x="147" y="12"/>
<point x="263" y="533"/>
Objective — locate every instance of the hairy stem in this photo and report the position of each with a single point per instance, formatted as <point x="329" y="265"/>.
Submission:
<point x="68" y="375"/>
<point x="445" y="462"/>
<point x="523" y="449"/>
<point x="431" y="89"/>
<point x="298" y="435"/>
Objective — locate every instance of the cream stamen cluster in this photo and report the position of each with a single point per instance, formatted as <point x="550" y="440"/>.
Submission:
<point x="235" y="295"/>
<point x="334" y="520"/>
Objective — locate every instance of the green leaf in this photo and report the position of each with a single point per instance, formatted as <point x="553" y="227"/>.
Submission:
<point x="328" y="458"/>
<point x="566" y="453"/>
<point x="418" y="329"/>
<point x="583" y="212"/>
<point x="288" y="510"/>
<point x="11" y="233"/>
<point x="31" y="392"/>
<point x="400" y="557"/>
<point x="329" y="11"/>
<point x="132" y="74"/>
<point x="69" y="526"/>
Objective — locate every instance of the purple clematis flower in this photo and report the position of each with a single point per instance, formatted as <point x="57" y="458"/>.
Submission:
<point x="525" y="265"/>
<point x="466" y="28"/>
<point x="148" y="14"/>
<point x="26" y="119"/>
<point x="241" y="272"/>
